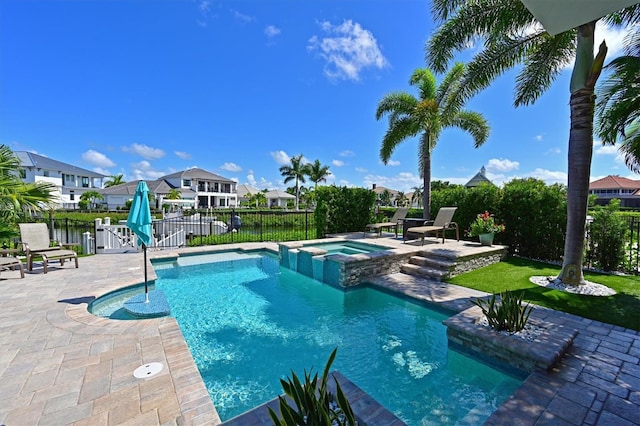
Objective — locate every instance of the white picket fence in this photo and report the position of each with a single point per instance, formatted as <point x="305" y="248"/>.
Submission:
<point x="121" y="239"/>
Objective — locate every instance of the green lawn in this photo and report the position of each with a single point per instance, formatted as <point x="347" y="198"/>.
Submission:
<point x="623" y="309"/>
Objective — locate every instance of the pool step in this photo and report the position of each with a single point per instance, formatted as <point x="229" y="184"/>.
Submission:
<point x="429" y="265"/>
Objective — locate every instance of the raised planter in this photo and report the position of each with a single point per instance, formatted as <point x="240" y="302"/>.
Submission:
<point x="465" y="329"/>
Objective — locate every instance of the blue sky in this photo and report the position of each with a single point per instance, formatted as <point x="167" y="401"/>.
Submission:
<point x="147" y="88"/>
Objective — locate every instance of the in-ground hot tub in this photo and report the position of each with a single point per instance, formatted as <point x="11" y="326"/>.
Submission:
<point x="332" y="262"/>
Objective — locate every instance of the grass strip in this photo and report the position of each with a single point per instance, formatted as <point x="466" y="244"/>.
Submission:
<point x="622" y="309"/>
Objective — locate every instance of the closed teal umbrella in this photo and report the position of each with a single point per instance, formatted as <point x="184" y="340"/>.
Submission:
<point x="139" y="220"/>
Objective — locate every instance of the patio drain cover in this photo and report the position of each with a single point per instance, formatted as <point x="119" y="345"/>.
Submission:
<point x="147" y="370"/>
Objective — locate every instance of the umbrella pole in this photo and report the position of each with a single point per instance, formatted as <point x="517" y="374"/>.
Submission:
<point x="146" y="288"/>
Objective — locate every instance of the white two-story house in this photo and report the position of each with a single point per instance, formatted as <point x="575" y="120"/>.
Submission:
<point x="70" y="181"/>
<point x="212" y="190"/>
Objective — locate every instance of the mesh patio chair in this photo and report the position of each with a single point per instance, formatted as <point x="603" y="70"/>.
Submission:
<point x="438" y="226"/>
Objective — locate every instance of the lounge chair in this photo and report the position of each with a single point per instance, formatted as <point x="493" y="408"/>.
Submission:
<point x="439" y="225"/>
<point x="35" y="242"/>
<point x="394" y="222"/>
<point x="10" y="262"/>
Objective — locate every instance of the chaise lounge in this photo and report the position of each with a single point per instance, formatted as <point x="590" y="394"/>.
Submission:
<point x="10" y="262"/>
<point x="394" y="222"/>
<point x="35" y="242"/>
<point x="440" y="225"/>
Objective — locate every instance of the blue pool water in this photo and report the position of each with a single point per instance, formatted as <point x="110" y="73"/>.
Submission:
<point x="348" y="247"/>
<point x="248" y="322"/>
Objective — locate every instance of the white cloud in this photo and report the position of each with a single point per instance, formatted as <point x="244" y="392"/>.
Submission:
<point x="600" y="149"/>
<point x="338" y="163"/>
<point x="144" y="151"/>
<point x="231" y="167"/>
<point x="538" y="138"/>
<point x="101" y="171"/>
<point x="501" y="165"/>
<point x="97" y="159"/>
<point x="347" y="153"/>
<point x="393" y="163"/>
<point x="281" y="157"/>
<point x="183" y="155"/>
<point x="144" y="171"/>
<point x="271" y="31"/>
<point x="553" y="151"/>
<point x="242" y="17"/>
<point x="361" y="170"/>
<point x="347" y="49"/>
<point x="549" y="176"/>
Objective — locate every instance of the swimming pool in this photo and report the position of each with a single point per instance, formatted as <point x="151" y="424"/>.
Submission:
<point x="248" y="322"/>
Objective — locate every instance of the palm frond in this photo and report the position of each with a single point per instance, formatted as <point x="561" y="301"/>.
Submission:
<point x="472" y="22"/>
<point x="396" y="103"/>
<point x="473" y="123"/>
<point x="425" y="81"/>
<point x="398" y="131"/>
<point x="546" y="57"/>
<point x="447" y="95"/>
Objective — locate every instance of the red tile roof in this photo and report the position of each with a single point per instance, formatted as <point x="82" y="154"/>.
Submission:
<point x="614" y="182"/>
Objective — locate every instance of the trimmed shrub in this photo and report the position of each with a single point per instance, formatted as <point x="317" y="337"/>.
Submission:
<point x="342" y="209"/>
<point x="609" y="232"/>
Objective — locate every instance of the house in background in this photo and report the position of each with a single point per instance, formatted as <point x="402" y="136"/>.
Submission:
<point x="380" y="190"/>
<point x="70" y="181"/>
<point x="198" y="189"/>
<point x="118" y="195"/>
<point x="478" y="179"/>
<point x="277" y="198"/>
<point x="213" y="191"/>
<point x="244" y="192"/>
<point x="626" y="190"/>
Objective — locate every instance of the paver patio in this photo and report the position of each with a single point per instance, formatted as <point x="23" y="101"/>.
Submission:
<point x="61" y="365"/>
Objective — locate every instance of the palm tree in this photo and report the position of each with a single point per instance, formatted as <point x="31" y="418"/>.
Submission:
<point x="318" y="173"/>
<point x="174" y="194"/>
<point x="618" y="102"/>
<point x="426" y="115"/>
<point x="385" y="197"/>
<point x="401" y="199"/>
<point x="16" y="196"/>
<point x="417" y="195"/>
<point x="510" y="36"/>
<point x="295" y="171"/>
<point x="91" y="197"/>
<point x="114" y="180"/>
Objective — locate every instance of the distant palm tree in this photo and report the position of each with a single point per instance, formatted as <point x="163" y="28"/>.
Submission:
<point x="114" y="180"/>
<point x="174" y="194"/>
<point x="318" y="173"/>
<point x="385" y="197"/>
<point x="295" y="171"/>
<point x="433" y="110"/>
<point x="401" y="199"/>
<point x="416" y="197"/>
<point x="509" y="36"/>
<point x="618" y="102"/>
<point x="91" y="197"/>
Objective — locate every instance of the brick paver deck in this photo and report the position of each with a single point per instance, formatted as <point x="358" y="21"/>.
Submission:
<point x="61" y="365"/>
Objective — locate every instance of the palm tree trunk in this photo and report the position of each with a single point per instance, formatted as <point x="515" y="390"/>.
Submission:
<point x="580" y="153"/>
<point x="426" y="181"/>
<point x="579" y="156"/>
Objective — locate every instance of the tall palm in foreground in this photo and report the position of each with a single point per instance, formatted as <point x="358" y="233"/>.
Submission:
<point x="295" y="171"/>
<point x="318" y="173"/>
<point x="427" y="115"/>
<point x="618" y="102"/>
<point x="511" y="36"/>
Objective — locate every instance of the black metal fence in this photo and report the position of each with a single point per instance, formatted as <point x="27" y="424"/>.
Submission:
<point x="631" y="261"/>
<point x="208" y="227"/>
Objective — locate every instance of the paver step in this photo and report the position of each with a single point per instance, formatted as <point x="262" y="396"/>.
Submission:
<point x="423" y="271"/>
<point x="436" y="263"/>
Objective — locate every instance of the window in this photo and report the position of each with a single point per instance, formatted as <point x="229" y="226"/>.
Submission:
<point x="72" y="196"/>
<point x="85" y="182"/>
<point x="186" y="182"/>
<point x="23" y="173"/>
<point x="45" y="173"/>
